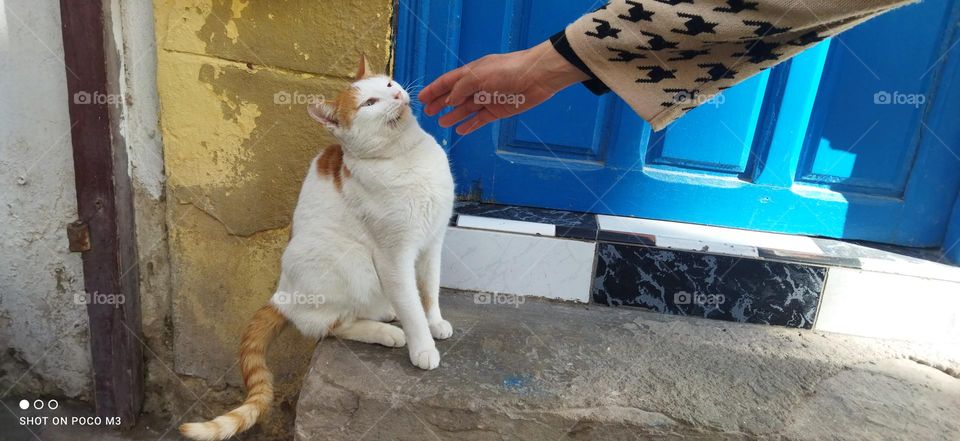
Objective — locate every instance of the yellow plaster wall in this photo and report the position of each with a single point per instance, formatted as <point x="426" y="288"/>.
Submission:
<point x="236" y="152"/>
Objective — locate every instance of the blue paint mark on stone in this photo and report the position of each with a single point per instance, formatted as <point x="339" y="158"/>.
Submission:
<point x="514" y="383"/>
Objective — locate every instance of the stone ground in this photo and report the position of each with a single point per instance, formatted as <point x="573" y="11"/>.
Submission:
<point x="542" y="371"/>
<point x="546" y="371"/>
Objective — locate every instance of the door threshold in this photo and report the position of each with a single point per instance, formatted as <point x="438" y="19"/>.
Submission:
<point x="704" y="271"/>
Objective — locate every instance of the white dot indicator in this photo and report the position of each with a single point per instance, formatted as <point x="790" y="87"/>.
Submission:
<point x="24" y="404"/>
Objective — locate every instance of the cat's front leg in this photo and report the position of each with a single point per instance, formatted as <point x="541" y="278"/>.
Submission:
<point x="399" y="283"/>
<point x="428" y="284"/>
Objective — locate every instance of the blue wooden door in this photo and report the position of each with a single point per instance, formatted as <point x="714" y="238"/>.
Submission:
<point x="855" y="138"/>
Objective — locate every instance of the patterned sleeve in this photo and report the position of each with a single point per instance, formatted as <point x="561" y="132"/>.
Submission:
<point x="665" y="57"/>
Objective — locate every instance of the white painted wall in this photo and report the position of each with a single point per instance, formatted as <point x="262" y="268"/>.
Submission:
<point x="43" y="331"/>
<point x="133" y="33"/>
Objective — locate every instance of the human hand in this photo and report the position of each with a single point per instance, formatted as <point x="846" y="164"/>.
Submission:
<point x="498" y="86"/>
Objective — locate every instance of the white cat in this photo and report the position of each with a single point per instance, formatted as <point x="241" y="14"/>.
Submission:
<point x="365" y="246"/>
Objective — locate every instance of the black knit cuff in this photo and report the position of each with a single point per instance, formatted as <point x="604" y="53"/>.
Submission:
<point x="562" y="46"/>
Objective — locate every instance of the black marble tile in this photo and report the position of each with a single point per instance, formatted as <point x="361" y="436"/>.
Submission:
<point x="705" y="285"/>
<point x="628" y="238"/>
<point x="569" y="223"/>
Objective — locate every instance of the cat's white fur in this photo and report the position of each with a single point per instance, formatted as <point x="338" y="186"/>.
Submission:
<point x="371" y="247"/>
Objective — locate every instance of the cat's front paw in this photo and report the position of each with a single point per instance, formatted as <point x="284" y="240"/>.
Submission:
<point x="441" y="330"/>
<point x="393" y="337"/>
<point x="426" y="359"/>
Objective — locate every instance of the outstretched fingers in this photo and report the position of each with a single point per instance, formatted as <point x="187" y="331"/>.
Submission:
<point x="437" y="105"/>
<point x="434" y="96"/>
<point x="459" y="113"/>
<point x="480" y="119"/>
<point x="468" y="85"/>
<point x="451" y="89"/>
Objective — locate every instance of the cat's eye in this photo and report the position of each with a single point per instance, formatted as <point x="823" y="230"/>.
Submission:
<point x="369" y="102"/>
<point x="389" y="83"/>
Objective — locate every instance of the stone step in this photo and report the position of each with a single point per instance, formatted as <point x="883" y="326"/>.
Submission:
<point x="537" y="370"/>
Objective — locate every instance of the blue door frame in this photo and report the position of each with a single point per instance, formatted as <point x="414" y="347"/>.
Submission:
<point x="809" y="147"/>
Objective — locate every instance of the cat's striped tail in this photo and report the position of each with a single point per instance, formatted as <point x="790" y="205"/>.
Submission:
<point x="265" y="325"/>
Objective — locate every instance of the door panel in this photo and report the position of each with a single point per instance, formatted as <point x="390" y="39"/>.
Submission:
<point x="718" y="136"/>
<point x="813" y="146"/>
<point x="875" y="64"/>
<point x="565" y="134"/>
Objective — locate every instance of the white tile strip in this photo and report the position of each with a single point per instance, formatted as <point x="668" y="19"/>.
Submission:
<point x="911" y="267"/>
<point x="513" y="264"/>
<point x="510" y="226"/>
<point x="722" y="240"/>
<point x="880" y="305"/>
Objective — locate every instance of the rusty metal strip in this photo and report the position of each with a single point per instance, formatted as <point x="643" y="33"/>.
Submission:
<point x="105" y="206"/>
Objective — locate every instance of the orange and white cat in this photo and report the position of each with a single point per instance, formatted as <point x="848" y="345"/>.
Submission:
<point x="365" y="248"/>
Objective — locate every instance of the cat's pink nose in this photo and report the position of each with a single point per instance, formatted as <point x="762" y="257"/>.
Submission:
<point x="397" y="95"/>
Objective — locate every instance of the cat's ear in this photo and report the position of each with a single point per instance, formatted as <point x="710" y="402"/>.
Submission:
<point x="363" y="70"/>
<point x="324" y="113"/>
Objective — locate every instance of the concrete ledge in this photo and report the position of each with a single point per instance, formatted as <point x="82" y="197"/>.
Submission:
<point x="545" y="371"/>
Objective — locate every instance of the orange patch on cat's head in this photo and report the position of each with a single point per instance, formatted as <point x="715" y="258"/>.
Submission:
<point x="347" y="106"/>
<point x="339" y="113"/>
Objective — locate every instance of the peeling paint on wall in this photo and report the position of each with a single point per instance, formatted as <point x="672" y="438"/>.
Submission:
<point x="294" y="35"/>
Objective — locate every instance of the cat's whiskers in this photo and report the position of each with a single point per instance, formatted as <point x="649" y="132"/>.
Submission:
<point x="417" y="81"/>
